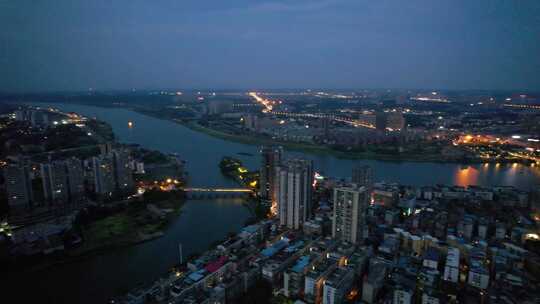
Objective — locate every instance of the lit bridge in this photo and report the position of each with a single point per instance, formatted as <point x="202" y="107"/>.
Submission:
<point x="354" y="122"/>
<point x="210" y="193"/>
<point x="269" y="108"/>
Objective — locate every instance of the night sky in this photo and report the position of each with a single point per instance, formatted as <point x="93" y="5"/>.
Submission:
<point x="113" y="44"/>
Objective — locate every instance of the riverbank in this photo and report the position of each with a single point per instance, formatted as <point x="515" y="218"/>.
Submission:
<point x="233" y="168"/>
<point x="94" y="224"/>
<point x="324" y="150"/>
<point x="112" y="272"/>
<point x="416" y="156"/>
<point x="128" y="225"/>
<point x="132" y="226"/>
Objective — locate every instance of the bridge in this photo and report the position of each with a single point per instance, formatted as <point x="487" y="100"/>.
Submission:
<point x="269" y="108"/>
<point x="211" y="193"/>
<point x="354" y="122"/>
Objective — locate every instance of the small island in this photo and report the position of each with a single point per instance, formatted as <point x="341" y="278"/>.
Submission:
<point x="234" y="169"/>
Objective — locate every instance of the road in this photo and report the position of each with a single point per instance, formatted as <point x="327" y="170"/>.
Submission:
<point x="269" y="109"/>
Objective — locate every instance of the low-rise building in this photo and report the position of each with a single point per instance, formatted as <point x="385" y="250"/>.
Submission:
<point x="337" y="285"/>
<point x="374" y="280"/>
<point x="451" y="268"/>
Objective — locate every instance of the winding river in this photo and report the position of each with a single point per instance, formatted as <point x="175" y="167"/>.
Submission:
<point x="95" y="279"/>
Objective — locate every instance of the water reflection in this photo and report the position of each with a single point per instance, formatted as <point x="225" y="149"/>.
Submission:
<point x="203" y="153"/>
<point x="466" y="176"/>
<point x="511" y="174"/>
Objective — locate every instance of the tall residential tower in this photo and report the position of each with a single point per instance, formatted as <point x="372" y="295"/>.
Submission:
<point x="270" y="160"/>
<point x="63" y="180"/>
<point x="294" y="189"/>
<point x="363" y="176"/>
<point x="55" y="181"/>
<point x="349" y="220"/>
<point x="18" y="186"/>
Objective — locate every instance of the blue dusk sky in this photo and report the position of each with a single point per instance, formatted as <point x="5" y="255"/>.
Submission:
<point x="114" y="44"/>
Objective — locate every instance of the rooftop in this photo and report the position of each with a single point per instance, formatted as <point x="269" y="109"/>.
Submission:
<point x="301" y="264"/>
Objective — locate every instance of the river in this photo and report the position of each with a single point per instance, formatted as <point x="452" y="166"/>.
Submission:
<point x="95" y="279"/>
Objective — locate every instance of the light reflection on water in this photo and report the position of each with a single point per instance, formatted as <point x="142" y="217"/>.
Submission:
<point x="501" y="174"/>
<point x="203" y="153"/>
<point x="466" y="176"/>
<point x="202" y="222"/>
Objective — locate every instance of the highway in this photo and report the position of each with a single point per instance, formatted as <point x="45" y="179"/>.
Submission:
<point x="269" y="106"/>
<point x="246" y="190"/>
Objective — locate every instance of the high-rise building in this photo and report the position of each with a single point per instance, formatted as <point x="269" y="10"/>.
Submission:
<point x="325" y="124"/>
<point x="46" y="172"/>
<point x="294" y="189"/>
<point x="123" y="175"/>
<point x="363" y="176"/>
<point x="270" y="160"/>
<point x="55" y="181"/>
<point x="451" y="268"/>
<point x="112" y="172"/>
<point x="18" y="186"/>
<point x="252" y="122"/>
<point x="75" y="173"/>
<point x="350" y="205"/>
<point x="62" y="181"/>
<point x="105" y="148"/>
<point x="103" y="169"/>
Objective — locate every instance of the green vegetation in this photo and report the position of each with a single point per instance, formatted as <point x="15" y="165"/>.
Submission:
<point x="111" y="231"/>
<point x="258" y="208"/>
<point x="388" y="154"/>
<point x="154" y="157"/>
<point x="67" y="136"/>
<point x="233" y="168"/>
<point x="102" y="129"/>
<point x="151" y="156"/>
<point x="111" y="227"/>
<point x="229" y="165"/>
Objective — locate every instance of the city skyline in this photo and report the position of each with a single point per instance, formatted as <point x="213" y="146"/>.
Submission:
<point x="270" y="151"/>
<point x="311" y="227"/>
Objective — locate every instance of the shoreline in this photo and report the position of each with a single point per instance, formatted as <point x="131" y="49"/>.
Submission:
<point x="323" y="150"/>
<point x="89" y="248"/>
<point x="94" y="252"/>
<point x="303" y="147"/>
<point x="72" y="256"/>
